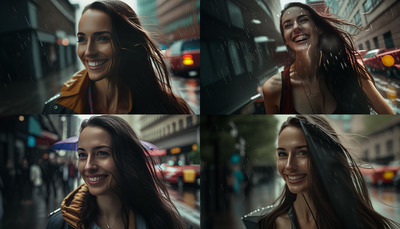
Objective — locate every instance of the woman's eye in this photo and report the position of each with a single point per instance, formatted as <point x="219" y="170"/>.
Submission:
<point x="303" y="20"/>
<point x="281" y="154"/>
<point x="81" y="40"/>
<point x="287" y="26"/>
<point x="103" y="38"/>
<point x="102" y="153"/>
<point x="303" y="153"/>
<point x="81" y="155"/>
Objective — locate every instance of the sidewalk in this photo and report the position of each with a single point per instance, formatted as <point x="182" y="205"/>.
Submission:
<point x="27" y="97"/>
<point x="31" y="214"/>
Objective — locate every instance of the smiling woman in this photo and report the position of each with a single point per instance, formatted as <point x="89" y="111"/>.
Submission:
<point x="323" y="186"/>
<point x="324" y="76"/>
<point x="124" y="69"/>
<point x="121" y="188"/>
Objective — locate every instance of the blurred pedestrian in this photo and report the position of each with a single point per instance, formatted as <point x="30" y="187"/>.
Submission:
<point x="36" y="177"/>
<point x="121" y="187"/>
<point x="324" y="187"/>
<point x="24" y="183"/>
<point x="65" y="170"/>
<point x="72" y="174"/>
<point x="49" y="170"/>
<point x="124" y="69"/>
<point x="325" y="76"/>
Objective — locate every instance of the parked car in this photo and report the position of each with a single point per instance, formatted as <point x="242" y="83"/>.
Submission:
<point x="380" y="174"/>
<point x="376" y="59"/>
<point x="370" y="60"/>
<point x="360" y="55"/>
<point x="183" y="57"/>
<point x="180" y="174"/>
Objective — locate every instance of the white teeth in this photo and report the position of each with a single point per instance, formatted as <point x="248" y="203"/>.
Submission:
<point x="95" y="63"/>
<point x="302" y="37"/>
<point x="93" y="179"/>
<point x="295" y="177"/>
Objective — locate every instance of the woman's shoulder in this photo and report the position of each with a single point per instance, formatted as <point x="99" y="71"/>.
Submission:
<point x="283" y="221"/>
<point x="273" y="85"/>
<point x="56" y="220"/>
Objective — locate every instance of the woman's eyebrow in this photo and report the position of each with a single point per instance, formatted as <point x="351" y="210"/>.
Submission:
<point x="297" y="147"/>
<point x="96" y="147"/>
<point x="95" y="33"/>
<point x="298" y="18"/>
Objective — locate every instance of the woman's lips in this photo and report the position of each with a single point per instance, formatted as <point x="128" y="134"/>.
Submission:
<point x="95" y="179"/>
<point x="95" y="64"/>
<point x="295" y="179"/>
<point x="301" y="38"/>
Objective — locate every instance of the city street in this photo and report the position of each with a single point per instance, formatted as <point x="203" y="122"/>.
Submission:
<point x="33" y="214"/>
<point x="386" y="201"/>
<point x="28" y="97"/>
<point x="389" y="89"/>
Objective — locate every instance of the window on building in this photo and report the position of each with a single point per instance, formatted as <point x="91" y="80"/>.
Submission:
<point x="376" y="43"/>
<point x="368" y="45"/>
<point x="180" y="124"/>
<point x="360" y="47"/>
<point x="235" y="15"/>
<point x="370" y="5"/>
<point x="357" y="18"/>
<point x="378" y="150"/>
<point x="235" y="57"/>
<point x="366" y="154"/>
<point x="169" y="130"/>
<point x="189" y="121"/>
<point x="173" y="127"/>
<point x="389" y="148"/>
<point x="388" y="40"/>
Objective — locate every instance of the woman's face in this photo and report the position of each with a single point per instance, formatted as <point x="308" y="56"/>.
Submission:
<point x="299" y="30"/>
<point x="96" y="164"/>
<point x="95" y="46"/>
<point x="293" y="159"/>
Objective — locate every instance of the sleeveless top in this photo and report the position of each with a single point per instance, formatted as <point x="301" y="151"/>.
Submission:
<point x="287" y="103"/>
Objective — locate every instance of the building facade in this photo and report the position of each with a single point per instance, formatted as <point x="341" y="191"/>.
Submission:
<point x="380" y="20"/>
<point x="178" y="19"/>
<point x="36" y="37"/>
<point x="178" y="135"/>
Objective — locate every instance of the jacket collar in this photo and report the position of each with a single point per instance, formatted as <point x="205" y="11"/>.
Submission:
<point x="72" y="205"/>
<point x="74" y="92"/>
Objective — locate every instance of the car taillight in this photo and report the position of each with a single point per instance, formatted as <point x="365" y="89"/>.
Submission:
<point x="188" y="60"/>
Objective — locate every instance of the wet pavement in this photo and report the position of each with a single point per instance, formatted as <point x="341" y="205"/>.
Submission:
<point x="189" y="90"/>
<point x="33" y="213"/>
<point x="187" y="201"/>
<point x="28" y="97"/>
<point x="385" y="200"/>
<point x="389" y="88"/>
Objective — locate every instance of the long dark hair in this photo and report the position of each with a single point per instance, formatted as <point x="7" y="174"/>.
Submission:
<point x="338" y="63"/>
<point x="139" y="63"/>
<point x="140" y="190"/>
<point x="346" y="172"/>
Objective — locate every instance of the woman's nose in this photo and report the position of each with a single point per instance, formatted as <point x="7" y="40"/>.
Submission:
<point x="291" y="163"/>
<point x="90" y="164"/>
<point x="296" y="25"/>
<point x="90" y="49"/>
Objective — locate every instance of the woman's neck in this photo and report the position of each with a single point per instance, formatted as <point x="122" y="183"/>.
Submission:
<point x="305" y="209"/>
<point x="109" y="98"/>
<point x="307" y="63"/>
<point x="110" y="211"/>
